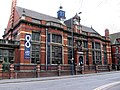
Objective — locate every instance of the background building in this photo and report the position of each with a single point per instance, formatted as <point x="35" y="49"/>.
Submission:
<point x="115" y="46"/>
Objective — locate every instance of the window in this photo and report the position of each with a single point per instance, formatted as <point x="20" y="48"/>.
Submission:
<point x="35" y="54"/>
<point x="87" y="58"/>
<point x="48" y="55"/>
<point x="96" y="56"/>
<point x="97" y="45"/>
<point x="92" y="45"/>
<point x="69" y="41"/>
<point x="11" y="55"/>
<point x="85" y="44"/>
<point x="69" y="55"/>
<point x="6" y="55"/>
<point x="0" y="52"/>
<point x="48" y="37"/>
<point x="117" y="41"/>
<point x="36" y="36"/>
<point x="56" y="38"/>
<point x="105" y="58"/>
<point x="56" y="54"/>
<point x="105" y="55"/>
<point x="104" y="48"/>
<point x="117" y="50"/>
<point x="5" y="52"/>
<point x="93" y="57"/>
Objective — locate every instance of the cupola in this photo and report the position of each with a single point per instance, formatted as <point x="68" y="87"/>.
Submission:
<point x="61" y="14"/>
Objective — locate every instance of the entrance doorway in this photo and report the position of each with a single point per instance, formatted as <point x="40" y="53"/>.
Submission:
<point x="81" y="62"/>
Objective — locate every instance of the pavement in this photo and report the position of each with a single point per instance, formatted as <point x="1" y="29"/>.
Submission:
<point x="5" y="81"/>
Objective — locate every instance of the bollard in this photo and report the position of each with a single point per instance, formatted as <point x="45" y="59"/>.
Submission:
<point x="116" y="67"/>
<point x="109" y="67"/>
<point x="11" y="71"/>
<point x="16" y="75"/>
<point x="1" y="70"/>
<point x="76" y="69"/>
<point x="82" y="71"/>
<point x="59" y="69"/>
<point x="96" y="68"/>
<point x="81" y="68"/>
<point x="38" y="70"/>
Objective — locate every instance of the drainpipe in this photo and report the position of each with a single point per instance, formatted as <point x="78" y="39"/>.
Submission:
<point x="46" y="47"/>
<point x="72" y="68"/>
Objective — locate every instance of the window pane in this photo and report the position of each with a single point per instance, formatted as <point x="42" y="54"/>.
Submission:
<point x="85" y="44"/>
<point x="1" y="52"/>
<point x="105" y="58"/>
<point x="10" y="53"/>
<point x="92" y="45"/>
<point x="36" y="36"/>
<point x="56" y="38"/>
<point x="53" y="37"/>
<point x="5" y="52"/>
<point x="59" y="39"/>
<point x="56" y="54"/>
<point x="48" y="39"/>
<point x="69" y="55"/>
<point x="6" y="59"/>
<point x="35" y="53"/>
<point x="87" y="58"/>
<point x="69" y="41"/>
<point x="104" y="47"/>
<point x="33" y="60"/>
<point x="97" y="45"/>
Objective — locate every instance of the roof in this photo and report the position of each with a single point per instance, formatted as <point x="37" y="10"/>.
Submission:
<point x="84" y="28"/>
<point x="114" y="36"/>
<point x="40" y="16"/>
<point x="36" y="15"/>
<point x="89" y="29"/>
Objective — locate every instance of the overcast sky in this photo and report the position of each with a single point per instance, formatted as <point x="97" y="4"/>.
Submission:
<point x="100" y="14"/>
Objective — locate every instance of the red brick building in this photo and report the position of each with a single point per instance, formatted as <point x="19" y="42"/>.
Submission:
<point x="115" y="48"/>
<point x="48" y="41"/>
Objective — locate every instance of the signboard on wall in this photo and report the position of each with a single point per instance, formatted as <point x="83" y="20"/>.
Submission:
<point x="27" y="46"/>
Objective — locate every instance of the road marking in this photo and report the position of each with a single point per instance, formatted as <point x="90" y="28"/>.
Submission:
<point x="107" y="85"/>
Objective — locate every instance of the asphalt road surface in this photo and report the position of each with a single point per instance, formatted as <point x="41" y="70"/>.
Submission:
<point x="113" y="87"/>
<point x="116" y="87"/>
<point x="85" y="82"/>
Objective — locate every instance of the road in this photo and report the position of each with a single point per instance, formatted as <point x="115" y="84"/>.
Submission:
<point x="115" y="87"/>
<point x="84" y="82"/>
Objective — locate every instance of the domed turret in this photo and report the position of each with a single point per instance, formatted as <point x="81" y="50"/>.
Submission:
<point x="61" y="14"/>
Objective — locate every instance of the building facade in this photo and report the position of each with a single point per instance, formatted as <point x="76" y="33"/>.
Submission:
<point x="115" y="49"/>
<point x="50" y="41"/>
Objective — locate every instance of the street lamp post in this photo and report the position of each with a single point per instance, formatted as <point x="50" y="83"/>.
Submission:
<point x="72" y="47"/>
<point x="72" y="30"/>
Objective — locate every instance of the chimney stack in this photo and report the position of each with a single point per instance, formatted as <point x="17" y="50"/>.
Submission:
<point x="107" y="33"/>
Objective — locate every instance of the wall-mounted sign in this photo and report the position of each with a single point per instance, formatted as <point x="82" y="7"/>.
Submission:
<point x="27" y="46"/>
<point x="79" y="45"/>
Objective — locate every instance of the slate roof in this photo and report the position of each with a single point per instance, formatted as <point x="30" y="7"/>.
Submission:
<point x="114" y="36"/>
<point x="36" y="15"/>
<point x="45" y="17"/>
<point x="84" y="28"/>
<point x="88" y="29"/>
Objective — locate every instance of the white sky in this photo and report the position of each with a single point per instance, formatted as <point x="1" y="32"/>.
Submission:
<point x="100" y="14"/>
